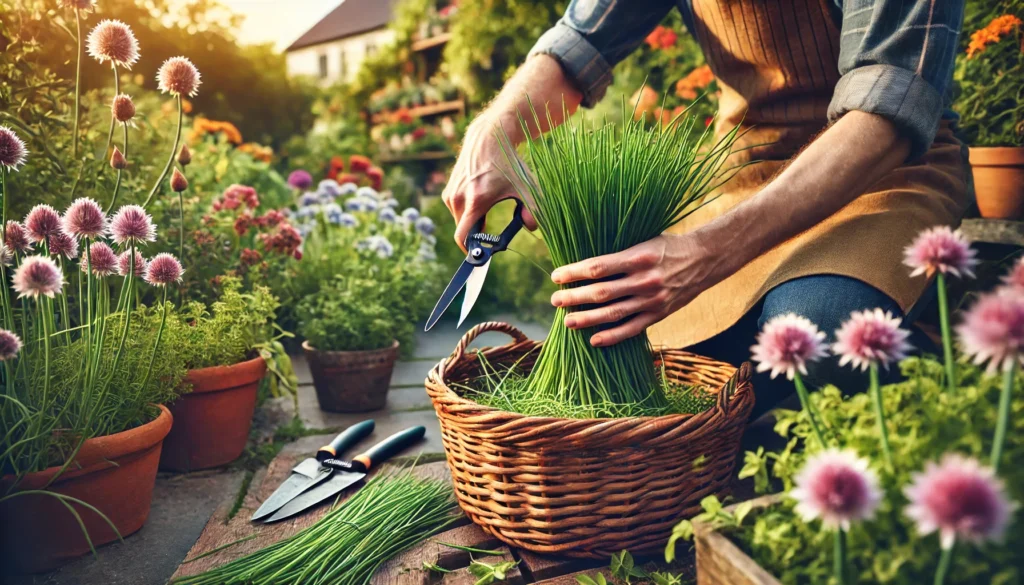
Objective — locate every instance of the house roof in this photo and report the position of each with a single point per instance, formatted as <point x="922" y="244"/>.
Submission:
<point x="350" y="18"/>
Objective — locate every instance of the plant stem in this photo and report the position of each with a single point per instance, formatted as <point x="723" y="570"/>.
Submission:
<point x="839" y="556"/>
<point x="944" y="562"/>
<point x="883" y="431"/>
<point x="110" y="133"/>
<point x="1004" y="415"/>
<point x="947" y="337"/>
<point x="159" y="336"/>
<point x="117" y="184"/>
<point x="78" y="81"/>
<point x="805" y="401"/>
<point x="170" y="159"/>
<point x="3" y="203"/>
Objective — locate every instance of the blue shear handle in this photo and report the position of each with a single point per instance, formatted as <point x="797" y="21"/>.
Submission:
<point x="507" y="234"/>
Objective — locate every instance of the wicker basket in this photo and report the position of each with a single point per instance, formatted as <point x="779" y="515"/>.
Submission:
<point x="586" y="488"/>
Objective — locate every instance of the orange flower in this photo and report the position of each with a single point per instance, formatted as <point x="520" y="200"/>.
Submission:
<point x="661" y="38"/>
<point x="186" y="106"/>
<point x="699" y="78"/>
<point x="644" y="100"/>
<point x="981" y="39"/>
<point x="257" y="151"/>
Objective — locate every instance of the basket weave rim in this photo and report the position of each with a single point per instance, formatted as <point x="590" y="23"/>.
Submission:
<point x="740" y="379"/>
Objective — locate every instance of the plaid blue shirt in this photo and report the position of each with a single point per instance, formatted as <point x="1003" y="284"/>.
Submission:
<point x="896" y="56"/>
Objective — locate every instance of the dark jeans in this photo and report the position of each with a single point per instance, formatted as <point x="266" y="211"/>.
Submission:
<point x="826" y="300"/>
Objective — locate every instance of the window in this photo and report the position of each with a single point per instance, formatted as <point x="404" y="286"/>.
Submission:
<point x="370" y="49"/>
<point x="344" y="65"/>
<point x="323" y="66"/>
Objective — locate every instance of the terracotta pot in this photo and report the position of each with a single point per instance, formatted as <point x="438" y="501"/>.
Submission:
<point x="115" y="474"/>
<point x="999" y="181"/>
<point x="211" y="423"/>
<point x="351" y="381"/>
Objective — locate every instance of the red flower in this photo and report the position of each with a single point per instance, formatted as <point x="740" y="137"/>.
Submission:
<point x="337" y="164"/>
<point x="251" y="257"/>
<point x="243" y="223"/>
<point x="272" y="218"/>
<point x="376" y="176"/>
<point x="668" y="38"/>
<point x="297" y="254"/>
<point x="347" y="178"/>
<point x="286" y="240"/>
<point x="419" y="133"/>
<point x="358" y="163"/>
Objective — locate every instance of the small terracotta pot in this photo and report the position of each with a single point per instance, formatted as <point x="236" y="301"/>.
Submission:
<point x="351" y="381"/>
<point x="211" y="423"/>
<point x="114" y="473"/>
<point x="999" y="180"/>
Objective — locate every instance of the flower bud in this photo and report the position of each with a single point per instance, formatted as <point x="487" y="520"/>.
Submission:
<point x="122" y="108"/>
<point x="178" y="182"/>
<point x="117" y="160"/>
<point x="184" y="156"/>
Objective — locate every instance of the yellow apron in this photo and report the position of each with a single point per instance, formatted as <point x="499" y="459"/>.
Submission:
<point x="776" y="66"/>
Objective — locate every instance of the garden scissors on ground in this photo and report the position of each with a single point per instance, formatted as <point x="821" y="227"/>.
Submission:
<point x="480" y="247"/>
<point x="315" y="480"/>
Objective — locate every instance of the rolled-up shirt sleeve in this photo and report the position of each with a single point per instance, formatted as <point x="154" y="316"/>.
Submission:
<point x="896" y="60"/>
<point x="594" y="35"/>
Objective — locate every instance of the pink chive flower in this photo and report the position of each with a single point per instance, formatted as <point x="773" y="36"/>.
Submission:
<point x="871" y="337"/>
<point x="42" y="222"/>
<point x="12" y="149"/>
<point x="837" y="488"/>
<point x="993" y="330"/>
<point x="959" y="498"/>
<point x="178" y="76"/>
<point x="16" y="238"/>
<point x="131" y="224"/>
<point x="122" y="108"/>
<point x="38" y="275"/>
<point x="124" y="264"/>
<point x="101" y="260"/>
<point x="61" y="244"/>
<point x="84" y="218"/>
<point x="6" y="255"/>
<point x="163" y="269"/>
<point x="786" y="344"/>
<point x="114" y="41"/>
<point x="943" y="250"/>
<point x="10" y="345"/>
<point x="1014" y="279"/>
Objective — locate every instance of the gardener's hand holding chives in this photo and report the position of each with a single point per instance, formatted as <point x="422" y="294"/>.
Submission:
<point x="477" y="181"/>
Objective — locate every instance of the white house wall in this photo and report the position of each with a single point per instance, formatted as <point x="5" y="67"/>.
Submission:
<point x="306" y="61"/>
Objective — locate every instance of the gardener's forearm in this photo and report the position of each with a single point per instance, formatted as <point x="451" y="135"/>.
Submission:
<point x="540" y="82"/>
<point x="477" y="181"/>
<point x="834" y="169"/>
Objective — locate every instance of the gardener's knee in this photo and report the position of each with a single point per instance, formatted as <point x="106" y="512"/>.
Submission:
<point x="827" y="301"/>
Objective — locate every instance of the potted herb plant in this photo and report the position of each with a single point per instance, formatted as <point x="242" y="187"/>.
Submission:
<point x="227" y="349"/>
<point x="85" y="366"/>
<point x="384" y="275"/>
<point x="914" y="482"/>
<point x="990" y="75"/>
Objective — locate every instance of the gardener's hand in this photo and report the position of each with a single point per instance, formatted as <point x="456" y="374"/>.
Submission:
<point x="477" y="181"/>
<point x="654" y="279"/>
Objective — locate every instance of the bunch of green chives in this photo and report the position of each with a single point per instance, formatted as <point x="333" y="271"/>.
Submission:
<point x="600" y="188"/>
<point x="391" y="513"/>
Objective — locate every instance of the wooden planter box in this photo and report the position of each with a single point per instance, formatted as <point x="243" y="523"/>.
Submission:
<point x="721" y="562"/>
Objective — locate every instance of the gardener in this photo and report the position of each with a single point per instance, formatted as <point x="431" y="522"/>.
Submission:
<point x="845" y="110"/>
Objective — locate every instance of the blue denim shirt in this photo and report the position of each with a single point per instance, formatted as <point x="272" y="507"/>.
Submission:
<point x="896" y="56"/>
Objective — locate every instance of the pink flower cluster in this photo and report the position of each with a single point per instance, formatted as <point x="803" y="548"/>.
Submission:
<point x="235" y="196"/>
<point x="284" y="240"/>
